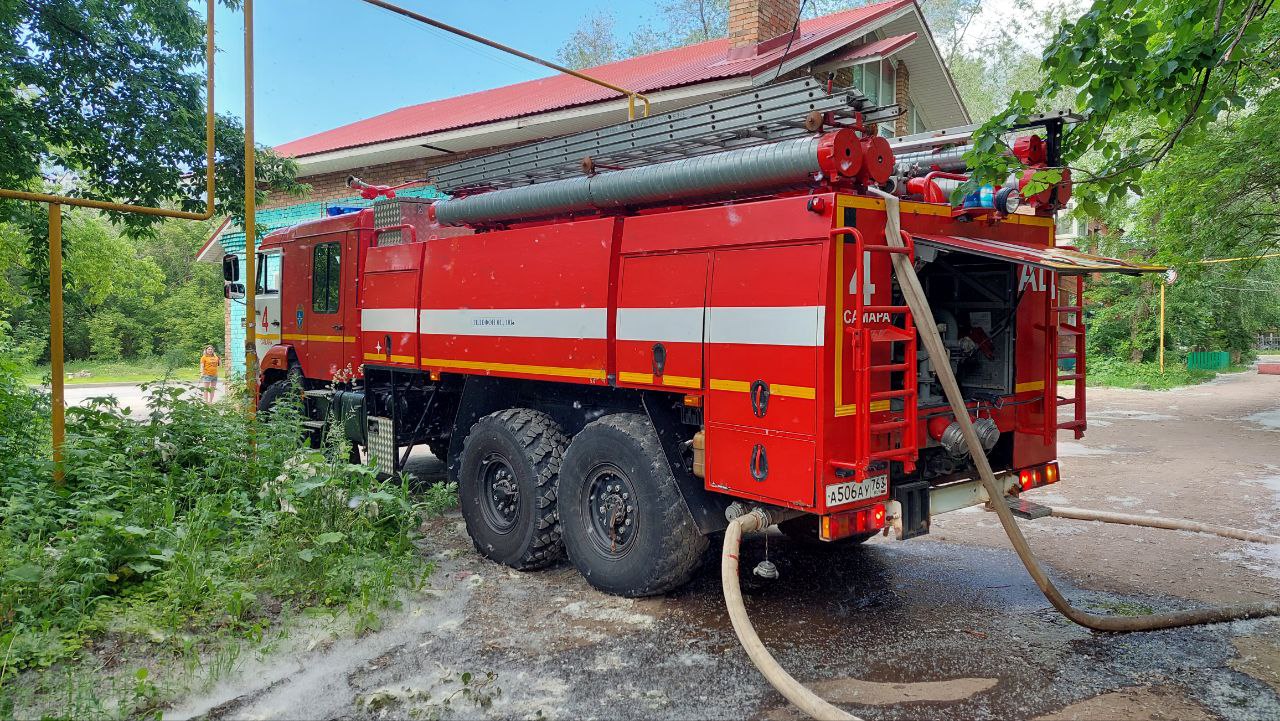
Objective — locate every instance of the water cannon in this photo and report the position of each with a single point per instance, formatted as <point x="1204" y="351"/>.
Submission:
<point x="373" y="192"/>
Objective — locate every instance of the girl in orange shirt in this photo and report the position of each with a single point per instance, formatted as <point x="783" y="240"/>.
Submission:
<point x="209" y="363"/>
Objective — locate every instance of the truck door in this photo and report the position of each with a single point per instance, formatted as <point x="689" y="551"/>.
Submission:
<point x="329" y="337"/>
<point x="267" y="301"/>
<point x="764" y="337"/>
<point x="660" y="320"/>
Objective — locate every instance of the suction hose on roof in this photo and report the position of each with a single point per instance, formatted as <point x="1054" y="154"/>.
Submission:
<point x="813" y="705"/>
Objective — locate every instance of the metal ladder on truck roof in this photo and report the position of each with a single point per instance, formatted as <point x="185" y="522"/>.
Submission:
<point x="767" y="114"/>
<point x="906" y="450"/>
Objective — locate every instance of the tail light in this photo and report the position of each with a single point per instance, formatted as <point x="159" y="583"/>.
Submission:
<point x="850" y="523"/>
<point x="1029" y="478"/>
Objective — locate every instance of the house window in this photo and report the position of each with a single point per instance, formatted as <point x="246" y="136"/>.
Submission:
<point x="888" y="82"/>
<point x="915" y="123"/>
<point x="877" y="80"/>
<point x="268" y="273"/>
<point x="325" y="276"/>
<point x="861" y="75"/>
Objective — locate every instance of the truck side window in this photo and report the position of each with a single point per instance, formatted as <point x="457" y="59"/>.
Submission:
<point x="325" y="277"/>
<point x="268" y="273"/>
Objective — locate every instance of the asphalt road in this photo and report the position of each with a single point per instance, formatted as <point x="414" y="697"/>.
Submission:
<point x="126" y="395"/>
<point x="944" y="627"/>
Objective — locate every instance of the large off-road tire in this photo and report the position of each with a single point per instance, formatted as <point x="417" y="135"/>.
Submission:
<point x="271" y="395"/>
<point x="626" y="527"/>
<point x="510" y="466"/>
<point x="268" y="397"/>
<point x="804" y="530"/>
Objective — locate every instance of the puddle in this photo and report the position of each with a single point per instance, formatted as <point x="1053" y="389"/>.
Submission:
<point x="1267" y="419"/>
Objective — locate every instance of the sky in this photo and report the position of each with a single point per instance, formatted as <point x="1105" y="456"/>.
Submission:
<point x="320" y="64"/>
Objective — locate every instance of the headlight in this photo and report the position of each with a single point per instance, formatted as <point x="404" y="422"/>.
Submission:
<point x="1008" y="200"/>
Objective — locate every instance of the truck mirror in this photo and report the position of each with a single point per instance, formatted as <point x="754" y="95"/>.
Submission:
<point x="231" y="268"/>
<point x="233" y="291"/>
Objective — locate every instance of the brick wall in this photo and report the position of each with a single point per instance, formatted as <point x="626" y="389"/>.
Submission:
<point x="754" y="21"/>
<point x="902" y="96"/>
<point x="328" y="187"/>
<point x="333" y="186"/>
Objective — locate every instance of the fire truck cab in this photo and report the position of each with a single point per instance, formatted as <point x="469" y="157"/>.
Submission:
<point x="611" y="370"/>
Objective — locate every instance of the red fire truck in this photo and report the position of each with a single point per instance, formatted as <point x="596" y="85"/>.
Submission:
<point x="613" y="346"/>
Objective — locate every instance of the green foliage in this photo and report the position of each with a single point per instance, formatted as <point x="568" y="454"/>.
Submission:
<point x="1214" y="196"/>
<point x="1147" y="74"/>
<point x="125" y="298"/>
<point x="108" y="95"/>
<point x="167" y="522"/>
<point x="1117" y="373"/>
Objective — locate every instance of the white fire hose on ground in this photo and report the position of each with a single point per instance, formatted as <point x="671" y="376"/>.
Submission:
<point x="759" y="519"/>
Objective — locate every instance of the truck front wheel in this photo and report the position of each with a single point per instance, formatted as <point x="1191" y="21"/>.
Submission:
<point x="507" y="487"/>
<point x="625" y="525"/>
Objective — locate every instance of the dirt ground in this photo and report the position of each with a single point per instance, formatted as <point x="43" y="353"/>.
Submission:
<point x="944" y="627"/>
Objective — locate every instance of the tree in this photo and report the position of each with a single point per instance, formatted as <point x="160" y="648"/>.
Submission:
<point x="103" y="98"/>
<point x="1149" y="74"/>
<point x="592" y="43"/>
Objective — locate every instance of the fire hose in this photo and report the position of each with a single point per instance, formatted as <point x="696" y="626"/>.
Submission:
<point x="759" y="519"/>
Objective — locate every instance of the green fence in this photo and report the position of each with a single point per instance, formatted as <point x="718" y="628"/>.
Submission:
<point x="1208" y="360"/>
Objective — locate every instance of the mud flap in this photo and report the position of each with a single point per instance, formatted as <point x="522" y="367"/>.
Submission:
<point x="382" y="445"/>
<point x="706" y="508"/>
<point x="914" y="499"/>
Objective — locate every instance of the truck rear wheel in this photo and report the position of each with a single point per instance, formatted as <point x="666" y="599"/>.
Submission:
<point x="507" y="487"/>
<point x="626" y="527"/>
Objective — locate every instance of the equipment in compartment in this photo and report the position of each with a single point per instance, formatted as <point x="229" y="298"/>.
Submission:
<point x="974" y="304"/>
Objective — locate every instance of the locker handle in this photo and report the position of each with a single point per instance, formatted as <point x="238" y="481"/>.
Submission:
<point x="659" y="358"/>
<point x="759" y="463"/>
<point x="759" y="398"/>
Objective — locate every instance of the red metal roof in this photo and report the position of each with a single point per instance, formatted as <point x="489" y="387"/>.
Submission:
<point x="887" y="46"/>
<point x="647" y="73"/>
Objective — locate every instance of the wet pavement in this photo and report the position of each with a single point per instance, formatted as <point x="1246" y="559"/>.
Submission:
<point x="945" y="627"/>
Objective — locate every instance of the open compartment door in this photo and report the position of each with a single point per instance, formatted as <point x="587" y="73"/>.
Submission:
<point x="1063" y="261"/>
<point x="1050" y="354"/>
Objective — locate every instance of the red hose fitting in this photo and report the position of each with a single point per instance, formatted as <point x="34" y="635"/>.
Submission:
<point x="840" y="154"/>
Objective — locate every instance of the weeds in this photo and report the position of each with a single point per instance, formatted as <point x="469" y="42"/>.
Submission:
<point x="1107" y="371"/>
<point x="169" y="527"/>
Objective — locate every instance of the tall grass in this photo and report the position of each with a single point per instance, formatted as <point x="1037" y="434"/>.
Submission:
<point x="192" y="519"/>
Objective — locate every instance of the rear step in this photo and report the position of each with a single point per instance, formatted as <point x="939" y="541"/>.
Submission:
<point x="1025" y="509"/>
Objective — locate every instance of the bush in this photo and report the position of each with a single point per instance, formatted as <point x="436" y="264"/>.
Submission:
<point x="1108" y="371"/>
<point x="172" y="519"/>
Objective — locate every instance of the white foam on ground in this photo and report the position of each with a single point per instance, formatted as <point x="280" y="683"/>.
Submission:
<point x="1263" y="558"/>
<point x="1072" y="449"/>
<point x="1122" y="414"/>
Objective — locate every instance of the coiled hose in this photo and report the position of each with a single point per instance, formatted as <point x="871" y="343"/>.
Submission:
<point x="813" y="705"/>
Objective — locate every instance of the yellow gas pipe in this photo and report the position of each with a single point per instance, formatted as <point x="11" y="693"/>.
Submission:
<point x="250" y="222"/>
